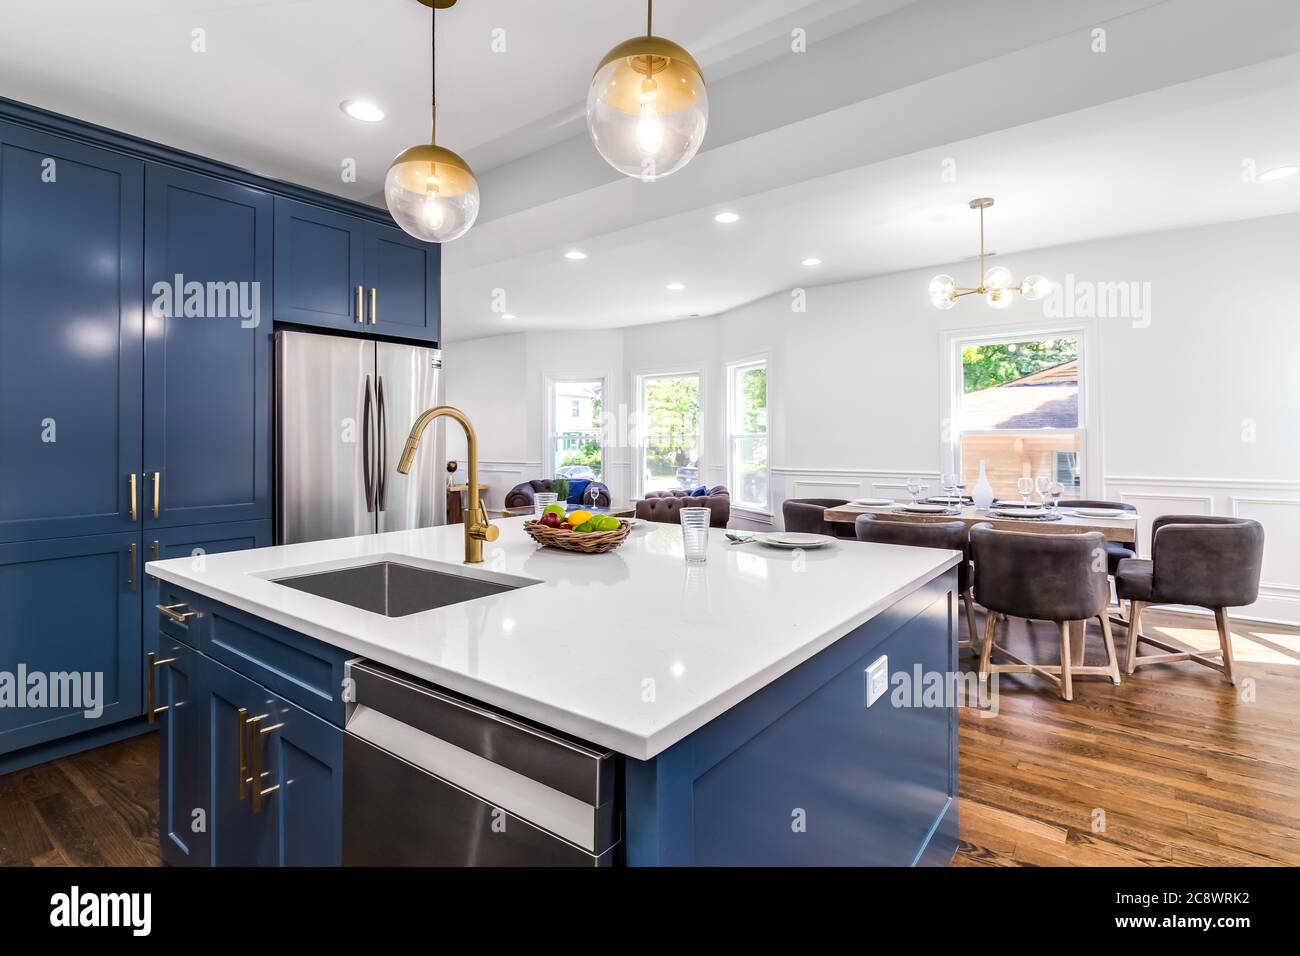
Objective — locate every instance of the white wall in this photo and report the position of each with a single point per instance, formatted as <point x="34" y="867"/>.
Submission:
<point x="1199" y="407"/>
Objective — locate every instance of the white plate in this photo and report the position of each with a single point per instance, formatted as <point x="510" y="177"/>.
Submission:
<point x="873" y="502"/>
<point x="1019" y="512"/>
<point x="920" y="509"/>
<point x="795" y="539"/>
<point x="1102" y="513"/>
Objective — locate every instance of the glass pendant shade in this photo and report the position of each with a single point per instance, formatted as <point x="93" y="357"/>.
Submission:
<point x="432" y="193"/>
<point x="1036" y="287"/>
<point x="647" y="109"/>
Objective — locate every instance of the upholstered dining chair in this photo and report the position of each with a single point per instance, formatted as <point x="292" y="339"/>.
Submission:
<point x="1205" y="561"/>
<point x="946" y="535"/>
<point x="1042" y="577"/>
<point x="809" y="515"/>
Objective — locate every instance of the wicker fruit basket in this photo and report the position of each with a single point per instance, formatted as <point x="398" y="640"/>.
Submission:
<point x="584" y="542"/>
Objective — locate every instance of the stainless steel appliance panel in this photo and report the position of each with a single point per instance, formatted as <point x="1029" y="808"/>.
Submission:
<point x="407" y="380"/>
<point x="326" y="434"/>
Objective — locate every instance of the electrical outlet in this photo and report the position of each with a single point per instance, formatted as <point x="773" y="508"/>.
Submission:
<point x="877" y="679"/>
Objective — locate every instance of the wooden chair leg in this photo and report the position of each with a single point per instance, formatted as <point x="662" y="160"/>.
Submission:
<point x="1112" y="661"/>
<point x="1067" y="689"/>
<point x="971" y="627"/>
<point x="990" y="622"/>
<point x="1134" y="629"/>
<point x="1225" y="641"/>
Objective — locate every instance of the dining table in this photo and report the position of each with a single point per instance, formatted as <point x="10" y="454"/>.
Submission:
<point x="1123" y="530"/>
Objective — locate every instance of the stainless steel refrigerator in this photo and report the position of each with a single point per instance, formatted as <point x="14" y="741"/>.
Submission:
<point x="344" y="407"/>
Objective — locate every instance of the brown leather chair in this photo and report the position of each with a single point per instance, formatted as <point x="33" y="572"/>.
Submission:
<point x="809" y="515"/>
<point x="1209" y="562"/>
<point x="1042" y="577"/>
<point x="664" y="505"/>
<point x="521" y="495"/>
<point x="1116" y="551"/>
<point x="944" y="535"/>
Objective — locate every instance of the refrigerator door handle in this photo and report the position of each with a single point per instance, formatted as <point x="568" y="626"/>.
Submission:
<point x="381" y="496"/>
<point x="365" y="450"/>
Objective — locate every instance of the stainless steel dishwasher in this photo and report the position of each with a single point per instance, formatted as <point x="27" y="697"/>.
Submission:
<point x="432" y="778"/>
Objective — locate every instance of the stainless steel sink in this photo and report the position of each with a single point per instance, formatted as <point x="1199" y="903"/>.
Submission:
<point x="393" y="589"/>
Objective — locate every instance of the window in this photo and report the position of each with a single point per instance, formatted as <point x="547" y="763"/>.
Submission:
<point x="747" y="434"/>
<point x="668" y="410"/>
<point x="576" y="447"/>
<point x="1017" y="409"/>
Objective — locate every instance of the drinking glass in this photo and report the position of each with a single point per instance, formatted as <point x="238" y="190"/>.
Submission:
<point x="543" y="500"/>
<point x="914" y="488"/>
<point x="1041" y="484"/>
<point x="695" y="533"/>
<point x="593" y="495"/>
<point x="1055" y="490"/>
<point x="1026" y="488"/>
<point x="951" y="482"/>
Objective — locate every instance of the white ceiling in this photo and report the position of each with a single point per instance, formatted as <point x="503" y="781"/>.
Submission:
<point x="835" y="152"/>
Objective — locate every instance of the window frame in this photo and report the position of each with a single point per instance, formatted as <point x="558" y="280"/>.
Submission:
<point x="639" y="377"/>
<point x="549" y="458"/>
<point x="734" y="369"/>
<point x="1088" y="430"/>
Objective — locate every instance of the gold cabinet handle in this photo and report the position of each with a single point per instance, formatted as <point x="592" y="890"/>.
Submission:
<point x="255" y="733"/>
<point x="157" y="486"/>
<point x="132" y="553"/>
<point x="374" y="305"/>
<point x="131" y="490"/>
<point x="241" y="718"/>
<point x="172" y="612"/>
<point x="151" y="665"/>
<point x="155" y="558"/>
<point x="361" y="304"/>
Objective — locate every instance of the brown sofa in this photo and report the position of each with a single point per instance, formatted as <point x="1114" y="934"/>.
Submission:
<point x="664" y="505"/>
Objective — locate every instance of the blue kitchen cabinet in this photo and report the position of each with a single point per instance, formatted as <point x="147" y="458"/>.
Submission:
<point x="257" y="740"/>
<point x="70" y="612"/>
<point x="207" y="391"/>
<point x="182" y="782"/>
<point x="70" y="337"/>
<point x="402" y="279"/>
<point x="194" y="543"/>
<point x="320" y="275"/>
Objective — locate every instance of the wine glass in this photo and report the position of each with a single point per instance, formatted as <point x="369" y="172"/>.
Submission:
<point x="593" y="495"/>
<point x="914" y="488"/>
<point x="1041" y="484"/>
<point x="1026" y="488"/>
<point x="951" y="482"/>
<point x="1055" y="489"/>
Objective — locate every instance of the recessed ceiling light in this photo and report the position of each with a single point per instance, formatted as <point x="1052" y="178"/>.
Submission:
<point x="575" y="254"/>
<point x="1280" y="172"/>
<point x="812" y="261"/>
<point x="508" y="315"/>
<point x="727" y="217"/>
<point x="675" y="287"/>
<point x="362" y="110"/>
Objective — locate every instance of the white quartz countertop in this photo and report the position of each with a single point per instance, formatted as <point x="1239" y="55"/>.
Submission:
<point x="632" y="650"/>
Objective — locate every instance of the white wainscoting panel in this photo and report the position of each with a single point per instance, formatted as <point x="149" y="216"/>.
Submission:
<point x="500" y="476"/>
<point x="1274" y="504"/>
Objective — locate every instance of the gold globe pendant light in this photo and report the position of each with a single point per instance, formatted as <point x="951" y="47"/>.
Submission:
<point x="430" y="191"/>
<point x="647" y="109"/>
<point x="997" y="287"/>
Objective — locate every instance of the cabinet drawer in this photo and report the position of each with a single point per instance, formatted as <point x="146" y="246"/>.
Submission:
<point x="299" y="668"/>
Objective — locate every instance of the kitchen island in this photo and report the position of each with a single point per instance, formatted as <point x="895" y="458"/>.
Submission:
<point x="678" y="714"/>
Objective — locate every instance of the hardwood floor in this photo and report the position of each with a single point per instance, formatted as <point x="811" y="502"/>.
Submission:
<point x="98" y="808"/>
<point x="1172" y="767"/>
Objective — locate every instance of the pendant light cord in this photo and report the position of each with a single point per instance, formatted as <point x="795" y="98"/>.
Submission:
<point x="433" y="69"/>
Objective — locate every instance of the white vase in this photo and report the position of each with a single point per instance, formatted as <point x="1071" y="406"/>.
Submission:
<point x="982" y="493"/>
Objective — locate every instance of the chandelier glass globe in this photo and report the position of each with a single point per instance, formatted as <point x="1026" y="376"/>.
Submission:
<point x="647" y="109"/>
<point x="432" y="193"/>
